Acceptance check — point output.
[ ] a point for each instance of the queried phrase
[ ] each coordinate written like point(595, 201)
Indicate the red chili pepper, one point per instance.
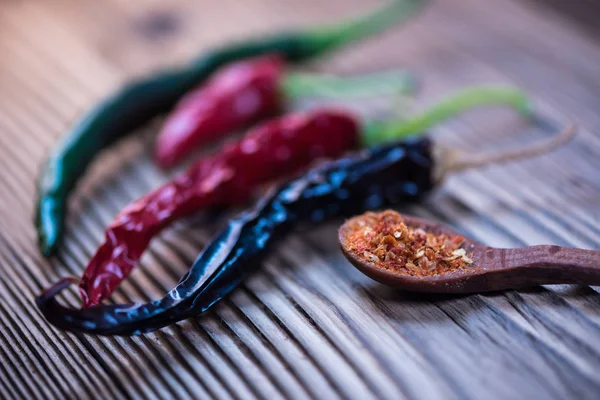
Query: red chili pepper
point(272, 150)
point(235, 96)
point(226, 177)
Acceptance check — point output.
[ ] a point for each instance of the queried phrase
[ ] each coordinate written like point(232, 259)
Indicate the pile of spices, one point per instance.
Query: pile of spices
point(385, 240)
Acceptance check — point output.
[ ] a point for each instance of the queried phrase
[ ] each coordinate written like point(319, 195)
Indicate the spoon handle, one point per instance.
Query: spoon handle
point(550, 264)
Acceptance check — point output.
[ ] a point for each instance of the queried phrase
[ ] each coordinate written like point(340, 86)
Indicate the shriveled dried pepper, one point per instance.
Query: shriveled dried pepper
point(248, 90)
point(231, 175)
point(374, 178)
point(137, 103)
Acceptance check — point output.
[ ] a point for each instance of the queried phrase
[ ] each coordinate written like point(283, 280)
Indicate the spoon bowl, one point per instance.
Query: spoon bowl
point(492, 268)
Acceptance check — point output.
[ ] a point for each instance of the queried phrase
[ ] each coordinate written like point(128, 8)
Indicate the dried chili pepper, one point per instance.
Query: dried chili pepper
point(231, 175)
point(240, 93)
point(137, 103)
point(248, 90)
point(373, 178)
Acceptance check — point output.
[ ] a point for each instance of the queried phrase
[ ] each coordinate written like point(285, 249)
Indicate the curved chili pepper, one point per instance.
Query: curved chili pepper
point(230, 176)
point(371, 179)
point(137, 103)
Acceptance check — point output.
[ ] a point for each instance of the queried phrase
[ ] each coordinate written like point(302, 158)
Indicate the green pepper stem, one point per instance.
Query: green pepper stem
point(378, 132)
point(325, 37)
point(296, 85)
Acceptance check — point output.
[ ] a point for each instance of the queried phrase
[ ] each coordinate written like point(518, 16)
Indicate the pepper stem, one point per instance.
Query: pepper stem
point(376, 133)
point(450, 161)
point(298, 85)
point(325, 37)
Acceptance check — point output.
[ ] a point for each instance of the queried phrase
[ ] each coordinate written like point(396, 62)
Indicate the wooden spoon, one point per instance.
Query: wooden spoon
point(492, 268)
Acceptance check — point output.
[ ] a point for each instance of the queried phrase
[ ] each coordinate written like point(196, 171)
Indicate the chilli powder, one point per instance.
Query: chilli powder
point(384, 239)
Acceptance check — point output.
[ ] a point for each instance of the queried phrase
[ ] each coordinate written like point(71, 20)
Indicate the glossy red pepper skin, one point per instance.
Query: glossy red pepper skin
point(234, 97)
point(230, 176)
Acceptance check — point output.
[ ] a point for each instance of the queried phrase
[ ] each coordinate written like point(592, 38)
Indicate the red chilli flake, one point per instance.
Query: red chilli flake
point(386, 241)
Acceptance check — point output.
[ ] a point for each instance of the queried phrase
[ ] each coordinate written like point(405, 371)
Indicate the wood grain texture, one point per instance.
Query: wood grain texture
point(307, 325)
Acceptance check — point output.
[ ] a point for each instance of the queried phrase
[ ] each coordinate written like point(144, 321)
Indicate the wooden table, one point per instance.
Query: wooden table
point(307, 325)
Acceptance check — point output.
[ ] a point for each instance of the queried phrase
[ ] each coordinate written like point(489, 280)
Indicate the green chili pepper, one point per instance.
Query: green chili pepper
point(380, 132)
point(135, 104)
